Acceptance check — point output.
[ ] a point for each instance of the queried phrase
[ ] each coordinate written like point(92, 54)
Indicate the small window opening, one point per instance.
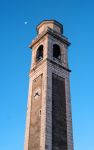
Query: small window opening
point(56, 52)
point(39, 54)
point(40, 112)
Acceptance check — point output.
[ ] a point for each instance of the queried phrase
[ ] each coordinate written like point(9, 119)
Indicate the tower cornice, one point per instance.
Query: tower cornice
point(52, 62)
point(49, 31)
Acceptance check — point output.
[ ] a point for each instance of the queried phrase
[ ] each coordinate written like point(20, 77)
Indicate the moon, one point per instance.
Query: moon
point(25, 22)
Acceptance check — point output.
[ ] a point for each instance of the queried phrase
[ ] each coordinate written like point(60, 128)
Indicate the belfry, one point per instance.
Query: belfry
point(49, 120)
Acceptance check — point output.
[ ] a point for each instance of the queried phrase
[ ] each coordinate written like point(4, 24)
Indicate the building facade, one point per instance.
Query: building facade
point(49, 120)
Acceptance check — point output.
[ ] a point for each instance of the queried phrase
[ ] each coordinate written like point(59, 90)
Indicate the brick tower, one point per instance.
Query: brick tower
point(49, 122)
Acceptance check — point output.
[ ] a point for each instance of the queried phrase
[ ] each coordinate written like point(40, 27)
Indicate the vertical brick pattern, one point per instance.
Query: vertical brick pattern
point(59, 123)
point(35, 117)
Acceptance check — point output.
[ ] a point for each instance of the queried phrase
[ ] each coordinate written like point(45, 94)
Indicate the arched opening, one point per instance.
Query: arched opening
point(39, 54)
point(56, 52)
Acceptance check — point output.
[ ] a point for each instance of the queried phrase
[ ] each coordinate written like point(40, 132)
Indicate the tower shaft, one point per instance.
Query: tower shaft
point(49, 120)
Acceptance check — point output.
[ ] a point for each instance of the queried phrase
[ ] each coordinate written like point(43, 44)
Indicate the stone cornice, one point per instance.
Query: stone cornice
point(53, 62)
point(49, 31)
point(43, 61)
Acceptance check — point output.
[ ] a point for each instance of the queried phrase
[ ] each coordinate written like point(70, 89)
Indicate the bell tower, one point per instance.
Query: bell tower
point(49, 120)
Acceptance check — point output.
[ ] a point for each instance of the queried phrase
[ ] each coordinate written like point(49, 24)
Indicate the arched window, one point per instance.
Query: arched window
point(39, 54)
point(56, 52)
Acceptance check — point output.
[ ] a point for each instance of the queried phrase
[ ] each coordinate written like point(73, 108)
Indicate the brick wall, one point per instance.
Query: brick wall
point(35, 117)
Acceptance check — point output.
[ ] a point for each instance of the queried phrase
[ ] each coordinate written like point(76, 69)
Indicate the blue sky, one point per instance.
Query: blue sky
point(15, 59)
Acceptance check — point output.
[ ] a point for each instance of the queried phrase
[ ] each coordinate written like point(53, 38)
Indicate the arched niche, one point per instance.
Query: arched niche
point(39, 54)
point(56, 52)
